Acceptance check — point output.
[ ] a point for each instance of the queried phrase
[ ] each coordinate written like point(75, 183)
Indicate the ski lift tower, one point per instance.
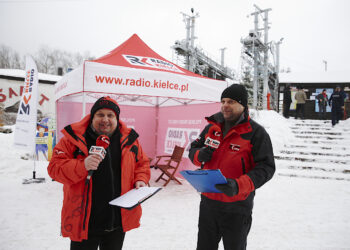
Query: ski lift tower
point(258, 49)
point(196, 60)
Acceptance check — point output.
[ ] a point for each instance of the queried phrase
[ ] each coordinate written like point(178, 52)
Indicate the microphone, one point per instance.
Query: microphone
point(102, 142)
point(213, 137)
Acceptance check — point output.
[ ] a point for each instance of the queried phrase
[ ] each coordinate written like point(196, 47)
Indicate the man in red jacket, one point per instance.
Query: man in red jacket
point(245, 158)
point(87, 218)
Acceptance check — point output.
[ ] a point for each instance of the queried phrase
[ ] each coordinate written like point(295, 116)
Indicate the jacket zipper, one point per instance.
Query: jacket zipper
point(86, 203)
point(87, 197)
point(243, 165)
point(113, 190)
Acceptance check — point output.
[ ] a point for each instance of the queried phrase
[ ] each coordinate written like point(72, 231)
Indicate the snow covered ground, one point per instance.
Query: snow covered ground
point(289, 213)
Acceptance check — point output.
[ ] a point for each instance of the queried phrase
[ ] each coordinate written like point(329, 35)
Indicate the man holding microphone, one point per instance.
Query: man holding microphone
point(245, 158)
point(91, 181)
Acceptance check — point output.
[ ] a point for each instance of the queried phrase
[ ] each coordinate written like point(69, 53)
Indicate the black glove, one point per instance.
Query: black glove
point(230, 188)
point(205, 154)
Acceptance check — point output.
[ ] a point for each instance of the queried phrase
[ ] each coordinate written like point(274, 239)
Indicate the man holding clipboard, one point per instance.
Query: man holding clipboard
point(241, 149)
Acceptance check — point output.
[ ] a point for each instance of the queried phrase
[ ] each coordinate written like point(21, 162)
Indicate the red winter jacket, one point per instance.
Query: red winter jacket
point(69, 170)
point(244, 154)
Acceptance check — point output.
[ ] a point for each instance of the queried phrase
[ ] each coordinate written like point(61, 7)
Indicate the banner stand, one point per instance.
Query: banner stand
point(26, 120)
point(34, 179)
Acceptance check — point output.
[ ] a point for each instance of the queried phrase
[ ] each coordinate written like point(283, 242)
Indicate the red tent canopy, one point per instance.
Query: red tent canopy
point(142, 59)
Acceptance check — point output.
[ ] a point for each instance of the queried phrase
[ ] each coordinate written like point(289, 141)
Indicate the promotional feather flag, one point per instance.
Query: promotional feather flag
point(25, 128)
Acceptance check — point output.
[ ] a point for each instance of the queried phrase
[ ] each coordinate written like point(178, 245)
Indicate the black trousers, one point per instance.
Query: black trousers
point(337, 114)
point(286, 108)
point(105, 241)
point(300, 109)
point(213, 225)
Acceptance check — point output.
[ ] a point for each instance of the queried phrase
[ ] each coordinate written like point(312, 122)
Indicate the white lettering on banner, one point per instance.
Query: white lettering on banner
point(189, 122)
point(128, 120)
point(181, 137)
point(151, 63)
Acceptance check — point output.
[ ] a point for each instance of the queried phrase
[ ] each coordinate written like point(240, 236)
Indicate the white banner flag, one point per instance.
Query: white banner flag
point(25, 128)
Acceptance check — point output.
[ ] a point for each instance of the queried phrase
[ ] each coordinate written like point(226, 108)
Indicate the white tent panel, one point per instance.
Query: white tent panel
point(131, 81)
point(70, 83)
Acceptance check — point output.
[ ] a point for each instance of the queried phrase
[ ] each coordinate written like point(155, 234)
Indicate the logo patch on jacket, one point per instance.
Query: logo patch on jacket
point(58, 152)
point(235, 147)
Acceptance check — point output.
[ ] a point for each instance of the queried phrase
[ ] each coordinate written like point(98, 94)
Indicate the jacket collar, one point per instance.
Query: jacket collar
point(75, 133)
point(241, 127)
point(218, 118)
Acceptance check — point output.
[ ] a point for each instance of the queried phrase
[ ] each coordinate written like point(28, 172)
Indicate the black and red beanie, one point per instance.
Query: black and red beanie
point(105, 102)
point(236, 92)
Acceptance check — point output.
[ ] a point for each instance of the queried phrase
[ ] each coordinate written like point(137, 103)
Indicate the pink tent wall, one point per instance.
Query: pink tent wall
point(142, 119)
point(180, 125)
point(177, 125)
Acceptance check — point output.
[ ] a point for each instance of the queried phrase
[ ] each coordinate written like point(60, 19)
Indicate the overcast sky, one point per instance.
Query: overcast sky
point(313, 31)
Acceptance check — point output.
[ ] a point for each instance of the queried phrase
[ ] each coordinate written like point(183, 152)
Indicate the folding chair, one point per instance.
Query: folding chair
point(170, 167)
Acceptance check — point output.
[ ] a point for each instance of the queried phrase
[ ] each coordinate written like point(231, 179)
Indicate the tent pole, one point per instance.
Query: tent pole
point(84, 108)
point(157, 126)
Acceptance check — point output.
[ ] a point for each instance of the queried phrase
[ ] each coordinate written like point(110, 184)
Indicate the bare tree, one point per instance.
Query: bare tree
point(48, 60)
point(9, 59)
point(44, 60)
point(78, 58)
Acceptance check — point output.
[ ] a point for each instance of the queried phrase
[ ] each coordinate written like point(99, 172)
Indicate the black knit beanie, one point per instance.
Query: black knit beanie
point(236, 92)
point(105, 103)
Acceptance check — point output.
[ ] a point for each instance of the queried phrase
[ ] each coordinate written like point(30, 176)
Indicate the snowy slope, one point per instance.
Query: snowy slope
point(289, 213)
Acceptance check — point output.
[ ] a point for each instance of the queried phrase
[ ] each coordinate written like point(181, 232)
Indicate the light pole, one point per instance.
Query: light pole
point(277, 69)
point(325, 65)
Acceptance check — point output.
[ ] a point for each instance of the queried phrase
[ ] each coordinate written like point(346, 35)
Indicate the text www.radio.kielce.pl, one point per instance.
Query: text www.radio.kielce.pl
point(141, 82)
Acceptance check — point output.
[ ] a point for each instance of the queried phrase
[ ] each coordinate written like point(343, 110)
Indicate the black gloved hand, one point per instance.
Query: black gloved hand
point(205, 154)
point(230, 188)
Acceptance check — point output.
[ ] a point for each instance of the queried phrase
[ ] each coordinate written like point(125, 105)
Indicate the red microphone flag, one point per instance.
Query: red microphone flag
point(213, 137)
point(103, 141)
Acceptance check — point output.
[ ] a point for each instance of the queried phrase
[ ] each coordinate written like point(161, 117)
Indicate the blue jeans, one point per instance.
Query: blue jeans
point(322, 111)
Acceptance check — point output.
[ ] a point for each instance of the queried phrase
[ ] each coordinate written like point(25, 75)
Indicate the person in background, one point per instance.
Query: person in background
point(245, 157)
point(300, 97)
point(336, 102)
point(287, 100)
point(322, 104)
point(87, 218)
point(345, 96)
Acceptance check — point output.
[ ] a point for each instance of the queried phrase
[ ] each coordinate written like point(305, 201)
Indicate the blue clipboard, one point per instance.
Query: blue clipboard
point(204, 180)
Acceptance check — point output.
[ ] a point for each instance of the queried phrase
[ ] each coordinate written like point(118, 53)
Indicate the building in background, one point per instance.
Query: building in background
point(313, 83)
point(11, 88)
